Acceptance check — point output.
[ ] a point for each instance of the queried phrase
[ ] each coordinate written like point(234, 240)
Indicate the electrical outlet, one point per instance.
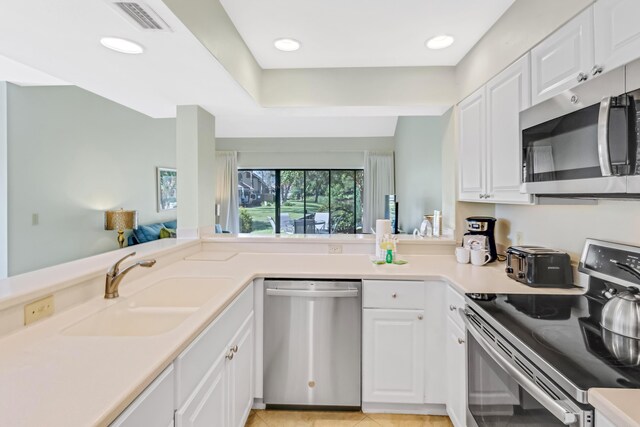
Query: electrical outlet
point(335, 249)
point(38, 309)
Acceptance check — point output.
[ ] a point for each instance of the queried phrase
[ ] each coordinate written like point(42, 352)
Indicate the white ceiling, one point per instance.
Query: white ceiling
point(45, 42)
point(361, 33)
point(300, 127)
point(20, 74)
point(61, 38)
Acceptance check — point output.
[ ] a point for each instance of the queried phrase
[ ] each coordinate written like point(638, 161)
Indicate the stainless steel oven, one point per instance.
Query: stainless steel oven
point(583, 141)
point(504, 388)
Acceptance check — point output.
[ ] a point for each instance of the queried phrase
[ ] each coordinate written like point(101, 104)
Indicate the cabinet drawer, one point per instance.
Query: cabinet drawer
point(194, 362)
point(393, 294)
point(154, 406)
point(455, 301)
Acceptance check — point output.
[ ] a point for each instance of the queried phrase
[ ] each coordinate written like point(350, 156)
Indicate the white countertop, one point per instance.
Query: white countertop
point(55, 380)
point(620, 405)
point(403, 239)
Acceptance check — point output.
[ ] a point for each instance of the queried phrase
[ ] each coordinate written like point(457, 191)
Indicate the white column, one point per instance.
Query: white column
point(4, 246)
point(195, 162)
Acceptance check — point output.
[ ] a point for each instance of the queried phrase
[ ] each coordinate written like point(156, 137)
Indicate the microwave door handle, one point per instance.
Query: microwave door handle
point(603, 136)
point(557, 408)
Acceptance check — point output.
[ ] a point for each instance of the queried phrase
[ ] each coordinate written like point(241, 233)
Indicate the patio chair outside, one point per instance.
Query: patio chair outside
point(322, 222)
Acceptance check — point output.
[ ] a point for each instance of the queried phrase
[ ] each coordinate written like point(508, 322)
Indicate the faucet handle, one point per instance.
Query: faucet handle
point(116, 267)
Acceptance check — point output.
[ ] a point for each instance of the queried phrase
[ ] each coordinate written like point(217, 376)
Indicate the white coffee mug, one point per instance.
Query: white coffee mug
point(480, 257)
point(462, 255)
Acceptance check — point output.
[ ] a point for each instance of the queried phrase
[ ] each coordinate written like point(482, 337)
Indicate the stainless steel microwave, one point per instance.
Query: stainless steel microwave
point(584, 142)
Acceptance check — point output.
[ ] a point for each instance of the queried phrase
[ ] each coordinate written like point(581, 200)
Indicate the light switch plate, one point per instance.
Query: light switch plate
point(38, 309)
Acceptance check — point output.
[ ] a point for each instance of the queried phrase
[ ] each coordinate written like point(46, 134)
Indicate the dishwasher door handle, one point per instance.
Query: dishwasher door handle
point(337, 293)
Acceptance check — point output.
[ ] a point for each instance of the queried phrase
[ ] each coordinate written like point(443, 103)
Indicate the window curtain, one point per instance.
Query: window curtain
point(227, 190)
point(378, 182)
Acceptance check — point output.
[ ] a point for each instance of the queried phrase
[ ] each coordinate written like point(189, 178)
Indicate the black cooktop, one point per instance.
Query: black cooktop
point(564, 331)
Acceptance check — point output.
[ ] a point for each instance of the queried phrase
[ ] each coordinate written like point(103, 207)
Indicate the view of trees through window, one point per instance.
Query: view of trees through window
point(300, 201)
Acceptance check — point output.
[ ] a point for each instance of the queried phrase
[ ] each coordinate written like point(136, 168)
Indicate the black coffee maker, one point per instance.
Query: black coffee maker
point(482, 227)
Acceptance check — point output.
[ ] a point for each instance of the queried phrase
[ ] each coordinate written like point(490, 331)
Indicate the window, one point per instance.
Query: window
point(297, 201)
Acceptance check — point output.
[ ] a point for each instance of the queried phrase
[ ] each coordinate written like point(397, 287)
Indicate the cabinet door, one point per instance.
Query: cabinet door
point(457, 372)
point(393, 356)
point(557, 62)
point(617, 33)
point(435, 378)
point(472, 147)
point(154, 406)
point(240, 374)
point(507, 95)
point(602, 421)
point(208, 405)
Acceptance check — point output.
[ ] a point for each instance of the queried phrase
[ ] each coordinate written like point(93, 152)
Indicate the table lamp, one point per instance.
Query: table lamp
point(121, 220)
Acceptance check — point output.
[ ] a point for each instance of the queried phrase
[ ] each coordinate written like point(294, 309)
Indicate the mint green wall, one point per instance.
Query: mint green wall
point(419, 166)
point(72, 155)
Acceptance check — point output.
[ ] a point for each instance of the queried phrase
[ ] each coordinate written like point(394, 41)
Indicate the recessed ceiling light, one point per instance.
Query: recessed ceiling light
point(439, 42)
point(121, 45)
point(287, 45)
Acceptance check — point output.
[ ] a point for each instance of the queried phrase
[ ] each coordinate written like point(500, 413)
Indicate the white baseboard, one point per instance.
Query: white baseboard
point(259, 404)
point(403, 408)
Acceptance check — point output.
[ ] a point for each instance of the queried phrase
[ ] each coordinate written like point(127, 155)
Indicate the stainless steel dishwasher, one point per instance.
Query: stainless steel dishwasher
point(312, 336)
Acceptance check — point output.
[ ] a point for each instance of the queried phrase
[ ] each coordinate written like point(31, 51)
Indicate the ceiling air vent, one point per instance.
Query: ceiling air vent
point(141, 15)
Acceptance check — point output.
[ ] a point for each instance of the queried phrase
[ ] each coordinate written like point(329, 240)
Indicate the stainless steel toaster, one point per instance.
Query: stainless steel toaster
point(537, 266)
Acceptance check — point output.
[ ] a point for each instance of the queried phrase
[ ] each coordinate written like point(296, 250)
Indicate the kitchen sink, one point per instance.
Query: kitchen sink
point(179, 292)
point(119, 320)
point(153, 311)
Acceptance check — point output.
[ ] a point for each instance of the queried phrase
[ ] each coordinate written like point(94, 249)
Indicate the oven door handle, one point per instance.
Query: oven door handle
point(556, 407)
point(604, 157)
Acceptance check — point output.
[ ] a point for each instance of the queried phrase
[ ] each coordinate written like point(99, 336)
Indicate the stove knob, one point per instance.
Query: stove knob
point(509, 270)
point(521, 275)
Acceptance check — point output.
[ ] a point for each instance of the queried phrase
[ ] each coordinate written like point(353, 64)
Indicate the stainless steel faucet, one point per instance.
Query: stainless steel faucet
point(115, 276)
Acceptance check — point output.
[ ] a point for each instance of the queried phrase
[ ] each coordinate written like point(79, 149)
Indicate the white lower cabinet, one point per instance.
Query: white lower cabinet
point(225, 395)
point(457, 373)
point(393, 356)
point(402, 342)
point(208, 405)
point(240, 376)
point(154, 406)
point(602, 421)
point(211, 383)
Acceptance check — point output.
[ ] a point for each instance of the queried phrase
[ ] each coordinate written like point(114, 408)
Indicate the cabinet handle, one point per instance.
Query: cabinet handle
point(452, 307)
point(460, 341)
point(419, 316)
point(597, 69)
point(234, 348)
point(481, 196)
point(394, 295)
point(230, 355)
point(582, 77)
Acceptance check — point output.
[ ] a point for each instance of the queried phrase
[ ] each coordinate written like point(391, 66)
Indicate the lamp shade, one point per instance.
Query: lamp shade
point(120, 220)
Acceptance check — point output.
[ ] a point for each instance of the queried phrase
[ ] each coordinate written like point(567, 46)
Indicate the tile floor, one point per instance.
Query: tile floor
point(269, 418)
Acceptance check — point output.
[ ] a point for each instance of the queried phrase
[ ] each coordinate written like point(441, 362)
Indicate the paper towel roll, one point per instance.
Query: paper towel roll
point(383, 226)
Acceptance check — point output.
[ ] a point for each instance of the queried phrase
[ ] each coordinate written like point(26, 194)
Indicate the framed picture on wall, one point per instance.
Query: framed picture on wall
point(167, 189)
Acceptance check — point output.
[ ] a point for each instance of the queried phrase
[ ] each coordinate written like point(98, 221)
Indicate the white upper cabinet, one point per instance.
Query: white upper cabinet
point(472, 144)
point(489, 120)
point(564, 59)
point(617, 33)
point(507, 95)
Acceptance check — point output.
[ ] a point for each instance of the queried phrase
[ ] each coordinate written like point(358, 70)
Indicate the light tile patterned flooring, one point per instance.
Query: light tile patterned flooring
point(269, 418)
